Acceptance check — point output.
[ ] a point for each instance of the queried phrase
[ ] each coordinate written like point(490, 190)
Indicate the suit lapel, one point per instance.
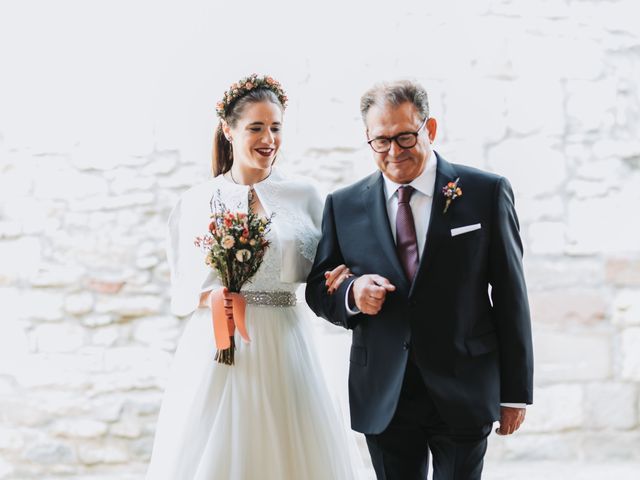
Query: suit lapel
point(439, 222)
point(376, 206)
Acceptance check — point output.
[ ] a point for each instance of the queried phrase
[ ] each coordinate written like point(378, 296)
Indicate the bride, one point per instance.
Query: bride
point(268, 416)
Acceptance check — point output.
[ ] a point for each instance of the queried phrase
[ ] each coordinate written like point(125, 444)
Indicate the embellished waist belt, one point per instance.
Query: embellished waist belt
point(272, 299)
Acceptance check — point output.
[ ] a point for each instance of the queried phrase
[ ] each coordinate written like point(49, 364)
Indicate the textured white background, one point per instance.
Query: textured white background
point(106, 115)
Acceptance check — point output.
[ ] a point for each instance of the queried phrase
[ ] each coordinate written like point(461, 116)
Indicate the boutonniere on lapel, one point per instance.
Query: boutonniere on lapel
point(451, 191)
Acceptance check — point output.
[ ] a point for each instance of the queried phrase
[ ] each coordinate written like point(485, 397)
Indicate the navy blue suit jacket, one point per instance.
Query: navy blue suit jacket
point(473, 348)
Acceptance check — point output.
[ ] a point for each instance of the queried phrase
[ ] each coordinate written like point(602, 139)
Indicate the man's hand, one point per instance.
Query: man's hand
point(369, 293)
point(510, 420)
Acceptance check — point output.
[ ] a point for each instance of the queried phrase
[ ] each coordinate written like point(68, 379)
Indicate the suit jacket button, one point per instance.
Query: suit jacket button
point(405, 346)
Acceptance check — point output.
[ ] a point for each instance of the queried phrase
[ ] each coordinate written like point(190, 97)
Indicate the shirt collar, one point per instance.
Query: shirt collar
point(424, 183)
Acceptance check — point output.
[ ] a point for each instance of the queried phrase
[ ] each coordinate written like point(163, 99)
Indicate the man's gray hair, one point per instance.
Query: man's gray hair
point(395, 93)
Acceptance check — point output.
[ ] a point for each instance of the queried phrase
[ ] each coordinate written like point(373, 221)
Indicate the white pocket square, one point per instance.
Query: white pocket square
point(465, 229)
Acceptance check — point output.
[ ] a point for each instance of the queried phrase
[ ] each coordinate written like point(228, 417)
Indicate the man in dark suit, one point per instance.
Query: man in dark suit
point(438, 304)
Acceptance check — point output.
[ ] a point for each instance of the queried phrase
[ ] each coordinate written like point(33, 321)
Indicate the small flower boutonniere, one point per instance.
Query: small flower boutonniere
point(451, 191)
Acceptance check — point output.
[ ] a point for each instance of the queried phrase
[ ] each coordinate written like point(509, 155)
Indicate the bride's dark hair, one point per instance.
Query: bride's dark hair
point(222, 157)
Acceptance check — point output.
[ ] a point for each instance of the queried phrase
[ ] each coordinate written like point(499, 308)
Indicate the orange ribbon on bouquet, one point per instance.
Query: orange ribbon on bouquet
point(227, 314)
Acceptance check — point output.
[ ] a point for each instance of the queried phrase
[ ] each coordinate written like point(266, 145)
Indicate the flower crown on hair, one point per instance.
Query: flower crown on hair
point(244, 86)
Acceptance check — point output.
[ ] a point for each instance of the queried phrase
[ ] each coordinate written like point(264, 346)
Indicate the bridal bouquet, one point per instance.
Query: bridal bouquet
point(234, 247)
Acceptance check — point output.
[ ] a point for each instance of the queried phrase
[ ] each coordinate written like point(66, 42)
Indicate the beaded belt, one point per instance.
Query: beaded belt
point(271, 299)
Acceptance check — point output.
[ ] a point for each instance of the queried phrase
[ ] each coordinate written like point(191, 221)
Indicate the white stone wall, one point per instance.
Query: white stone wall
point(106, 115)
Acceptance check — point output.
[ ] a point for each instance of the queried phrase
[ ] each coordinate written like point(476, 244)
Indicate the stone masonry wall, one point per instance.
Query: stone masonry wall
point(106, 115)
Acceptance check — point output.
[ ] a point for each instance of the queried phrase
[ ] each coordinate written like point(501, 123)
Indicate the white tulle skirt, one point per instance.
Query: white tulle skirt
point(269, 416)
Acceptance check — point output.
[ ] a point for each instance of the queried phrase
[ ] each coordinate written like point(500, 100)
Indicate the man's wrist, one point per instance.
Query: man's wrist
point(350, 302)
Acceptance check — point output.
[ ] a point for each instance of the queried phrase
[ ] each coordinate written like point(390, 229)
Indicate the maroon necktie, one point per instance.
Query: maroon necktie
point(406, 241)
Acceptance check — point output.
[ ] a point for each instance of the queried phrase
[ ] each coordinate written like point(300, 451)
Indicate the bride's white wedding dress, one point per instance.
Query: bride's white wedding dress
point(270, 415)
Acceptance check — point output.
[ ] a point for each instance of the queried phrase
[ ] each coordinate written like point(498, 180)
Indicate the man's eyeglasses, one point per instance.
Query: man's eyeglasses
point(403, 140)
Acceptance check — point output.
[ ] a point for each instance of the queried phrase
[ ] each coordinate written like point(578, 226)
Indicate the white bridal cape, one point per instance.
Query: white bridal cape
point(270, 415)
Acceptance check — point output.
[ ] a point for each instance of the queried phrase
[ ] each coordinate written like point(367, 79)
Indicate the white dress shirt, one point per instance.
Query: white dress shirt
point(421, 200)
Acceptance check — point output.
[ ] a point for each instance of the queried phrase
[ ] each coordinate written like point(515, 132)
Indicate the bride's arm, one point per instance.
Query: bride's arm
point(189, 274)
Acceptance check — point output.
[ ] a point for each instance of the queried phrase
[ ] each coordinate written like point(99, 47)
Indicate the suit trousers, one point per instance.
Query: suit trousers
point(401, 451)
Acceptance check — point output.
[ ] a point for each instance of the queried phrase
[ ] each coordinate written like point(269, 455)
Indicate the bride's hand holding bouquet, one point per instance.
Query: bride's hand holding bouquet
point(234, 247)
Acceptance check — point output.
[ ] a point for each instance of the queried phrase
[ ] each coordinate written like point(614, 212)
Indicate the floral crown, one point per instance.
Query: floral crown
point(244, 86)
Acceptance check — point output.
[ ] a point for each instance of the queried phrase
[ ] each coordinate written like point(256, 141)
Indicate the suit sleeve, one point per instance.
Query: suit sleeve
point(328, 256)
point(510, 306)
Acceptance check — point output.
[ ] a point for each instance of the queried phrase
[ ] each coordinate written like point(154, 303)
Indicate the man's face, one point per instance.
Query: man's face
point(400, 165)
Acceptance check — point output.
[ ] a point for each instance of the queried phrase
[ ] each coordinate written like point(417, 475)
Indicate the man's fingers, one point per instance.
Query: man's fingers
point(373, 302)
point(503, 430)
point(519, 421)
point(375, 292)
point(383, 282)
point(371, 306)
point(510, 420)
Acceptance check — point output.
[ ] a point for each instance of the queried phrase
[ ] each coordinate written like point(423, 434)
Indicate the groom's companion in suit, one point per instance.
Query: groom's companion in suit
point(438, 303)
